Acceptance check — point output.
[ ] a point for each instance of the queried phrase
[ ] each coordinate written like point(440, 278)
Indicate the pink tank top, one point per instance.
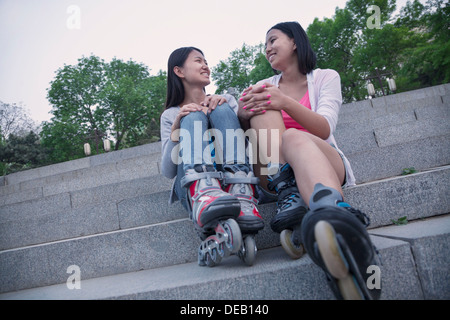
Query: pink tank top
point(291, 123)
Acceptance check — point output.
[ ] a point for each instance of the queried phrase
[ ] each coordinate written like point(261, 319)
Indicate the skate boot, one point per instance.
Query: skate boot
point(241, 185)
point(290, 210)
point(213, 212)
point(336, 239)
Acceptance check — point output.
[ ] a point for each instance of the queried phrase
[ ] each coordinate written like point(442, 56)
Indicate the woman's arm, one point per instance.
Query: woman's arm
point(315, 123)
point(168, 167)
point(320, 123)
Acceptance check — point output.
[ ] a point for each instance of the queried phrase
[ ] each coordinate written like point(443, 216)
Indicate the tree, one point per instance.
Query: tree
point(14, 119)
point(244, 67)
point(125, 98)
point(412, 47)
point(94, 99)
point(21, 152)
point(261, 70)
point(63, 139)
point(360, 40)
point(428, 60)
point(133, 98)
point(75, 95)
point(334, 41)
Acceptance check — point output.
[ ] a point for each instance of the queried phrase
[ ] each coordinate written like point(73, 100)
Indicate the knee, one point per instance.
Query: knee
point(222, 110)
point(293, 138)
point(193, 117)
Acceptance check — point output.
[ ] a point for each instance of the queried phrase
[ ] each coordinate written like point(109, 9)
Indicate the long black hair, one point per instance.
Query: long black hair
point(175, 88)
point(305, 54)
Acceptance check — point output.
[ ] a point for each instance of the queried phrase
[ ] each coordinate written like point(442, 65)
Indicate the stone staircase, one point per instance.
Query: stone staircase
point(108, 215)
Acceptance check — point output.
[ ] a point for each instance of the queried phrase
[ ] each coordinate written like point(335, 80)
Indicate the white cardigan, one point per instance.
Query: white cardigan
point(324, 87)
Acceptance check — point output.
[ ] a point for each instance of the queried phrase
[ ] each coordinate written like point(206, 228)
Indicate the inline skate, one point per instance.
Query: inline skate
point(241, 185)
point(213, 212)
point(290, 210)
point(336, 239)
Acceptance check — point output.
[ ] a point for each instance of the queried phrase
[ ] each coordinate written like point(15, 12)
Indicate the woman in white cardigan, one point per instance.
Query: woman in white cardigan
point(299, 109)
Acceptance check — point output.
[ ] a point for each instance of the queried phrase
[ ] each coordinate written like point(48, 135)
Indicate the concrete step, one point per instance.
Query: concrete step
point(141, 202)
point(145, 247)
point(83, 163)
point(405, 101)
point(389, 161)
point(429, 240)
point(86, 212)
point(352, 140)
point(358, 124)
point(373, 153)
point(103, 174)
point(408, 256)
point(379, 108)
point(409, 97)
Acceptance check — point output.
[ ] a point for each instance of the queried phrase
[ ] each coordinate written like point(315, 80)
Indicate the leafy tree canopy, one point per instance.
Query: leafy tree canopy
point(93, 100)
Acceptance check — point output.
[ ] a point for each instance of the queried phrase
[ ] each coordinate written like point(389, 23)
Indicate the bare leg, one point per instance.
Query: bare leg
point(267, 127)
point(313, 160)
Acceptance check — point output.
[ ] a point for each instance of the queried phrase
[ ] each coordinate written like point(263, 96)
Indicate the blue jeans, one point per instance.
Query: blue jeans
point(196, 131)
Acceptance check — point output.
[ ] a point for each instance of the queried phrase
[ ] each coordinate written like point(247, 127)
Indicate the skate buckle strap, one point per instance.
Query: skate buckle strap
point(189, 178)
point(236, 180)
point(282, 180)
point(202, 192)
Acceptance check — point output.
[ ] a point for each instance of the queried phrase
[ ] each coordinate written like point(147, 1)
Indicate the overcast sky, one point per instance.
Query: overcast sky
point(37, 37)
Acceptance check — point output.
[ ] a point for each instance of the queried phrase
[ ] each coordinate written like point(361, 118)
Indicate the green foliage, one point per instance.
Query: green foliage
point(407, 171)
point(63, 139)
point(145, 126)
point(400, 221)
point(93, 100)
point(413, 46)
point(427, 60)
point(244, 67)
point(21, 152)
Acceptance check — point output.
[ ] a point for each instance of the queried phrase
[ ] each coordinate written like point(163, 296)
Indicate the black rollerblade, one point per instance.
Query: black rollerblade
point(213, 212)
point(241, 185)
point(290, 210)
point(335, 237)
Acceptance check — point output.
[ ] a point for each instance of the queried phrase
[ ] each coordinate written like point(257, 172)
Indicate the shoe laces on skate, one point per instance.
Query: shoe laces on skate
point(287, 198)
point(364, 218)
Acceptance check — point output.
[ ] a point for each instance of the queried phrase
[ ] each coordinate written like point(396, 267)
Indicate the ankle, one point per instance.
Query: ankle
point(325, 196)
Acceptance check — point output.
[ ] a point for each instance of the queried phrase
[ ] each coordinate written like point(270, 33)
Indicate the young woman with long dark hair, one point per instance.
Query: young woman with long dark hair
point(216, 192)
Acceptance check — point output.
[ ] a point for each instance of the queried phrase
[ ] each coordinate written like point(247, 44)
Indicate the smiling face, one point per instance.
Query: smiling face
point(195, 70)
point(280, 49)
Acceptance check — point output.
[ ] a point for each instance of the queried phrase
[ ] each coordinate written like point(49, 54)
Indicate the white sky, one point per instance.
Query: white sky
point(36, 40)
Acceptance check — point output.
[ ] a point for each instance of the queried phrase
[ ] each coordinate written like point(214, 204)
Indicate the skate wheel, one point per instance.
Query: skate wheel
point(213, 258)
point(329, 250)
point(349, 289)
point(295, 252)
point(248, 251)
point(234, 240)
point(334, 261)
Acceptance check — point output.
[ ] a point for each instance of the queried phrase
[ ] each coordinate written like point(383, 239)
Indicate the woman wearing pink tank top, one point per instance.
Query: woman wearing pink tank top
point(291, 123)
point(294, 115)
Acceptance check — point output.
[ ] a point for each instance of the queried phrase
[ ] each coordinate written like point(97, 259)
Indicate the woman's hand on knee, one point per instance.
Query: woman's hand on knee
point(184, 111)
point(257, 100)
point(246, 112)
point(212, 101)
